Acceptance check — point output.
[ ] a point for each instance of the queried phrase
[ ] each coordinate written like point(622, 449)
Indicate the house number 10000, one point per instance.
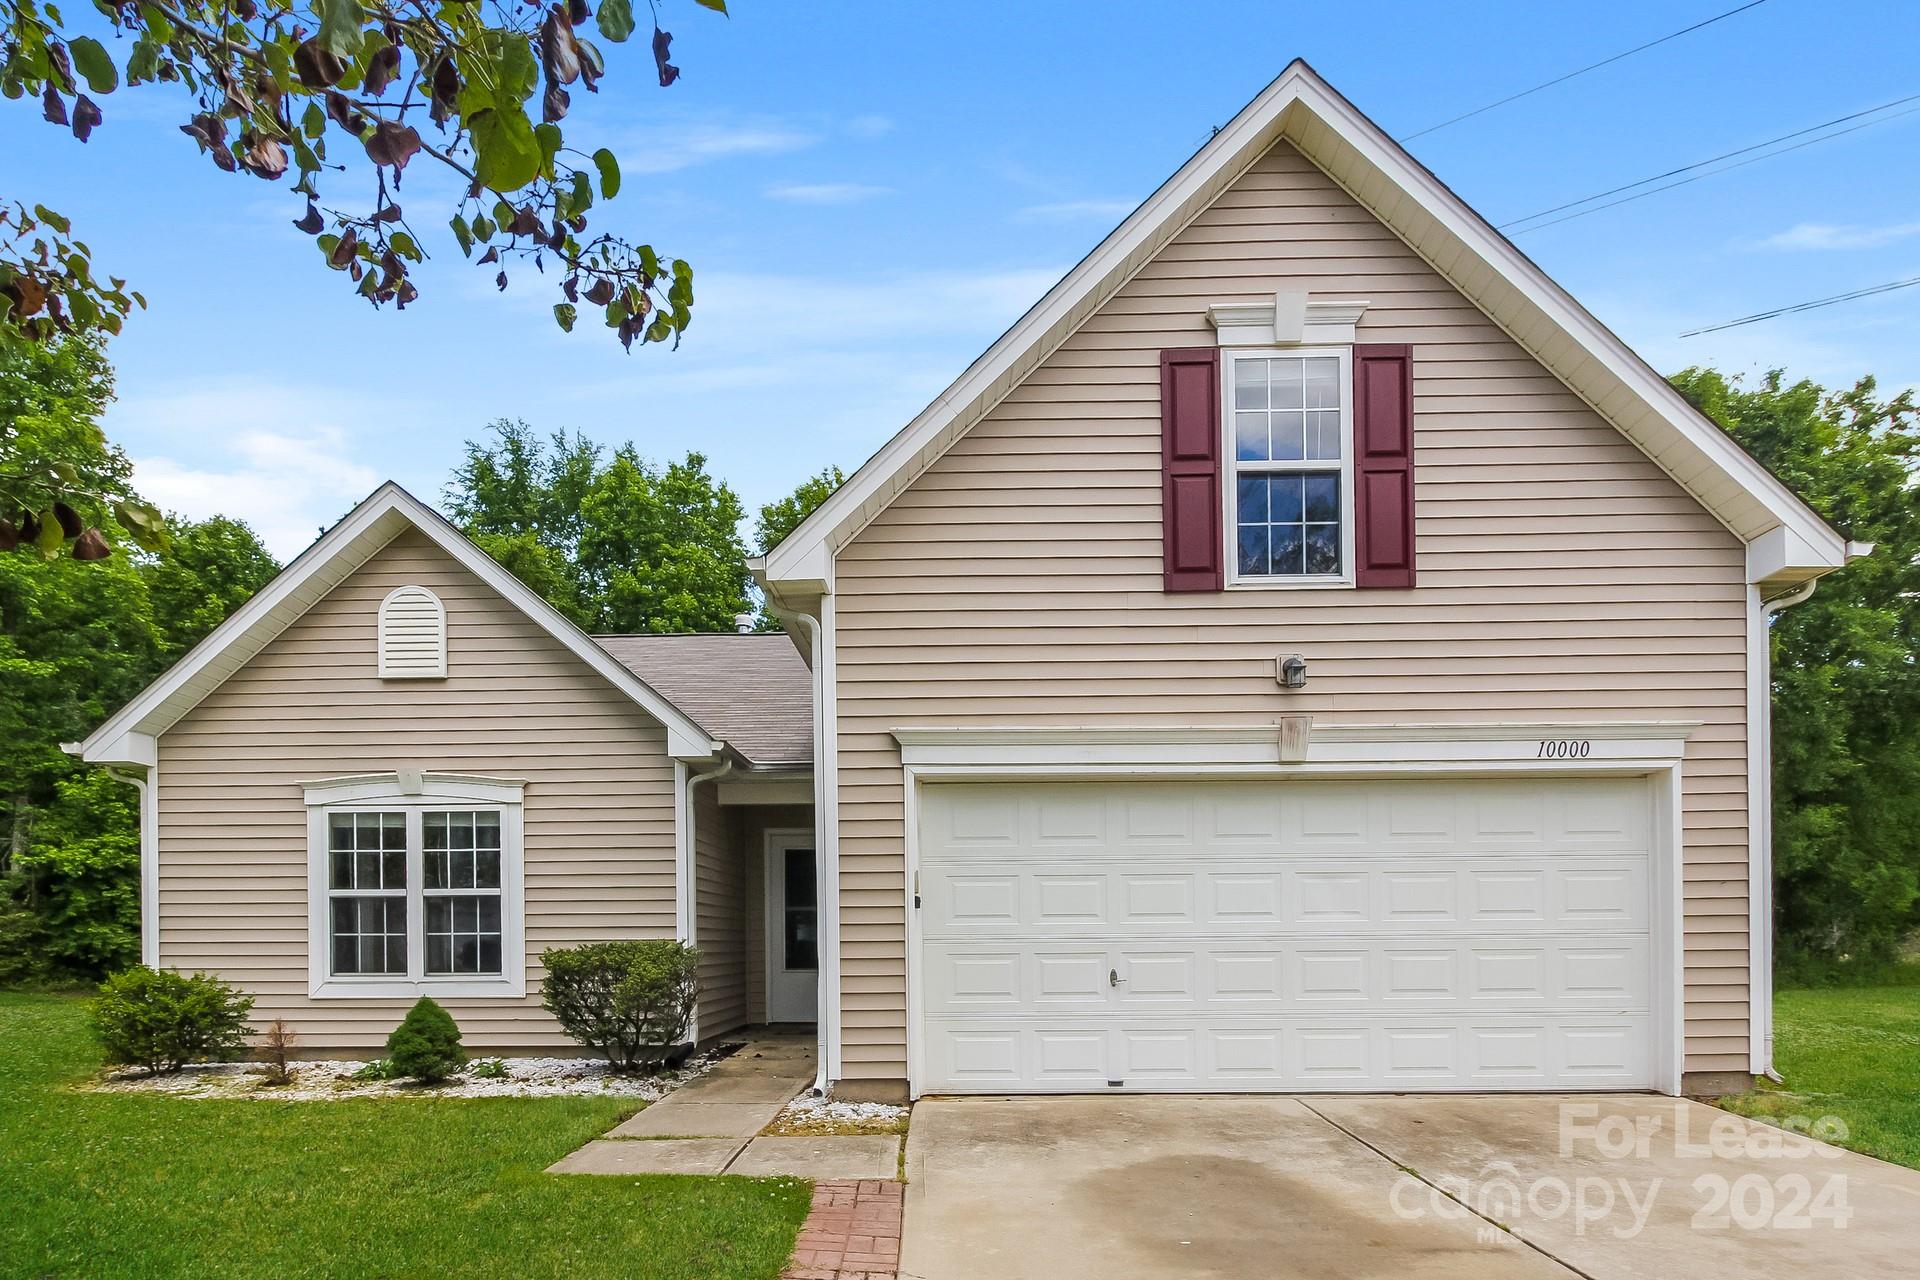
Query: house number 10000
point(1563, 749)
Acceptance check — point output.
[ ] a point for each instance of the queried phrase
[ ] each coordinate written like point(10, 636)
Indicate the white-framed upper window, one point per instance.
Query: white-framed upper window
point(415, 882)
point(1289, 490)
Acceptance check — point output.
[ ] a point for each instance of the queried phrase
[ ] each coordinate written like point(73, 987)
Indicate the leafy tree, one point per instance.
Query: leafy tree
point(613, 541)
point(62, 486)
point(300, 87)
point(782, 517)
point(1846, 691)
point(211, 568)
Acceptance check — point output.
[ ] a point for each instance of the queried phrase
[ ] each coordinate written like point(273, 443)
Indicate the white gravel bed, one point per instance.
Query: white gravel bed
point(807, 1114)
point(328, 1081)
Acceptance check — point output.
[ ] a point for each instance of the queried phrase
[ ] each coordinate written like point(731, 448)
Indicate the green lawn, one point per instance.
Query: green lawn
point(122, 1185)
point(1852, 1053)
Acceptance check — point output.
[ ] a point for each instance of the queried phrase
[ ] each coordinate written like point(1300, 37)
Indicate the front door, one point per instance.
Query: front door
point(793, 946)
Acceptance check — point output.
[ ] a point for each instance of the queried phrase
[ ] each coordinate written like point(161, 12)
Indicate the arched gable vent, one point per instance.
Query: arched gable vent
point(413, 635)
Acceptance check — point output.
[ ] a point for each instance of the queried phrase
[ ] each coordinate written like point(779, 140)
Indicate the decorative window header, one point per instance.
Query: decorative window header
point(1291, 318)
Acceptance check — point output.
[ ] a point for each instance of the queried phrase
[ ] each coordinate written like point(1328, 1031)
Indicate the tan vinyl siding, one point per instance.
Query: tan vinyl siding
point(1562, 576)
point(599, 840)
point(720, 909)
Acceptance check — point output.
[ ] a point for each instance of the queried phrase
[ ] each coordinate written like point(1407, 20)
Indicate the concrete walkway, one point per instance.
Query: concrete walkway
point(712, 1125)
point(1607, 1187)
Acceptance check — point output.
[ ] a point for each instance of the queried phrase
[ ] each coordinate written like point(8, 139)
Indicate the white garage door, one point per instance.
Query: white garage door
point(1299, 935)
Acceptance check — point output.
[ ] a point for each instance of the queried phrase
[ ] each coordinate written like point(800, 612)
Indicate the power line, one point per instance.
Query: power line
point(1541, 226)
point(1468, 115)
point(1725, 155)
point(1805, 306)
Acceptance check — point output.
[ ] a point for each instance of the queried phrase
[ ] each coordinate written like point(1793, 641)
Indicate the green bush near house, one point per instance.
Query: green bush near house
point(426, 1044)
point(630, 1002)
point(161, 1020)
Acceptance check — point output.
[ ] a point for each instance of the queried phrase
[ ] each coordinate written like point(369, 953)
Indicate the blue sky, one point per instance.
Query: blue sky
point(871, 192)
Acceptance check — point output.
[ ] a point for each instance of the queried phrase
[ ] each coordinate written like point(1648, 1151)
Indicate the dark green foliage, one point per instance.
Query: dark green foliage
point(161, 1020)
point(614, 542)
point(630, 1002)
point(778, 519)
point(1846, 691)
point(426, 1044)
point(77, 640)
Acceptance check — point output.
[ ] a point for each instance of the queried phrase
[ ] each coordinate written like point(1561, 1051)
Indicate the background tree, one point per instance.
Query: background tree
point(1846, 691)
point(77, 640)
point(319, 88)
point(613, 541)
point(782, 516)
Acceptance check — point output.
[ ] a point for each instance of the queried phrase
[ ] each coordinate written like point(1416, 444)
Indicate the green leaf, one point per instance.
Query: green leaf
point(609, 168)
point(402, 243)
point(51, 539)
point(90, 60)
point(483, 228)
point(718, 6)
point(52, 219)
point(314, 122)
point(341, 23)
point(564, 313)
point(506, 155)
point(463, 234)
point(615, 19)
point(549, 138)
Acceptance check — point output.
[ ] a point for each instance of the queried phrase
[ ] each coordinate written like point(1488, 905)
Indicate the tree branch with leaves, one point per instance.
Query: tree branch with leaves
point(479, 88)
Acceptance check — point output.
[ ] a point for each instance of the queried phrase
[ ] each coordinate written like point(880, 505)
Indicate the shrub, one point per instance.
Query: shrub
point(630, 1002)
point(489, 1069)
point(161, 1020)
point(426, 1044)
point(378, 1069)
point(277, 1044)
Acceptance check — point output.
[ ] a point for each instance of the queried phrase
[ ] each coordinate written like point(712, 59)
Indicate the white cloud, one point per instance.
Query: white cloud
point(824, 193)
point(1077, 211)
point(667, 148)
point(1821, 235)
point(273, 455)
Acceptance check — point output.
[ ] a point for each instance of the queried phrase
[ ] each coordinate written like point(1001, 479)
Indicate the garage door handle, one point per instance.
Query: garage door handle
point(1113, 977)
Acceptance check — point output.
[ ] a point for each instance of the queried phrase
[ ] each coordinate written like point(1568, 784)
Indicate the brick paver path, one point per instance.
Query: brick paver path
point(852, 1233)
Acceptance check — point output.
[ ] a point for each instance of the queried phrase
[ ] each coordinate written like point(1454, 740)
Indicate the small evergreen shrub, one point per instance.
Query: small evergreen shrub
point(161, 1020)
point(630, 1002)
point(426, 1044)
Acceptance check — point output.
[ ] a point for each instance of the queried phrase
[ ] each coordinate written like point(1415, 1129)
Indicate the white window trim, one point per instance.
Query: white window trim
point(413, 793)
point(1230, 488)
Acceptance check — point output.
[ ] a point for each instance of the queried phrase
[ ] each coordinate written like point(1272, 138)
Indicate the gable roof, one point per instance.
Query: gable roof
point(1787, 541)
point(752, 690)
point(128, 736)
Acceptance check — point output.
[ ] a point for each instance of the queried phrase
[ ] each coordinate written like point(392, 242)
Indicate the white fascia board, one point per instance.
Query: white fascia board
point(323, 566)
point(1611, 378)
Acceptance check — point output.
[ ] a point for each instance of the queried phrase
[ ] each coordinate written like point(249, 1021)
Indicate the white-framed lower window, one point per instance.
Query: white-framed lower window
point(1289, 493)
point(416, 886)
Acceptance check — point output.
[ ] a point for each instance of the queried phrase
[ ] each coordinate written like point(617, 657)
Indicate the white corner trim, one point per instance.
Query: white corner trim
point(409, 786)
point(1288, 319)
point(1233, 750)
point(322, 566)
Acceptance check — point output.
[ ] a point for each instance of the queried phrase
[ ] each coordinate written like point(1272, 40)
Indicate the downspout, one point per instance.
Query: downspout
point(1760, 920)
point(149, 864)
point(826, 861)
point(689, 876)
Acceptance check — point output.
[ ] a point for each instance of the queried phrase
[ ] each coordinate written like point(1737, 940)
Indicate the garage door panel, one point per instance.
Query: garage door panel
point(1336, 1054)
point(1313, 935)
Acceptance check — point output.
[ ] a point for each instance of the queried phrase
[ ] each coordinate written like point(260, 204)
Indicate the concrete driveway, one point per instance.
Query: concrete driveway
point(1604, 1187)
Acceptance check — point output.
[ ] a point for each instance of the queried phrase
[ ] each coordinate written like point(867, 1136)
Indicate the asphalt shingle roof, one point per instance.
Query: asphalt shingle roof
point(751, 690)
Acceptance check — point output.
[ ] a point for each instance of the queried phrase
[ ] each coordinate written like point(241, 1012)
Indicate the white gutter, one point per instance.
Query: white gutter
point(684, 901)
point(1760, 821)
point(826, 844)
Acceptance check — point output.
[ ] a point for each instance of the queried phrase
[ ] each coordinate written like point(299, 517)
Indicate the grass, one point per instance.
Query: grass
point(1852, 1053)
point(109, 1185)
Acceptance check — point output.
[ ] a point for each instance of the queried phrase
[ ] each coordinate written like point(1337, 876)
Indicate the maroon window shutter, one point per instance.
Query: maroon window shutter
point(1190, 433)
point(1383, 465)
